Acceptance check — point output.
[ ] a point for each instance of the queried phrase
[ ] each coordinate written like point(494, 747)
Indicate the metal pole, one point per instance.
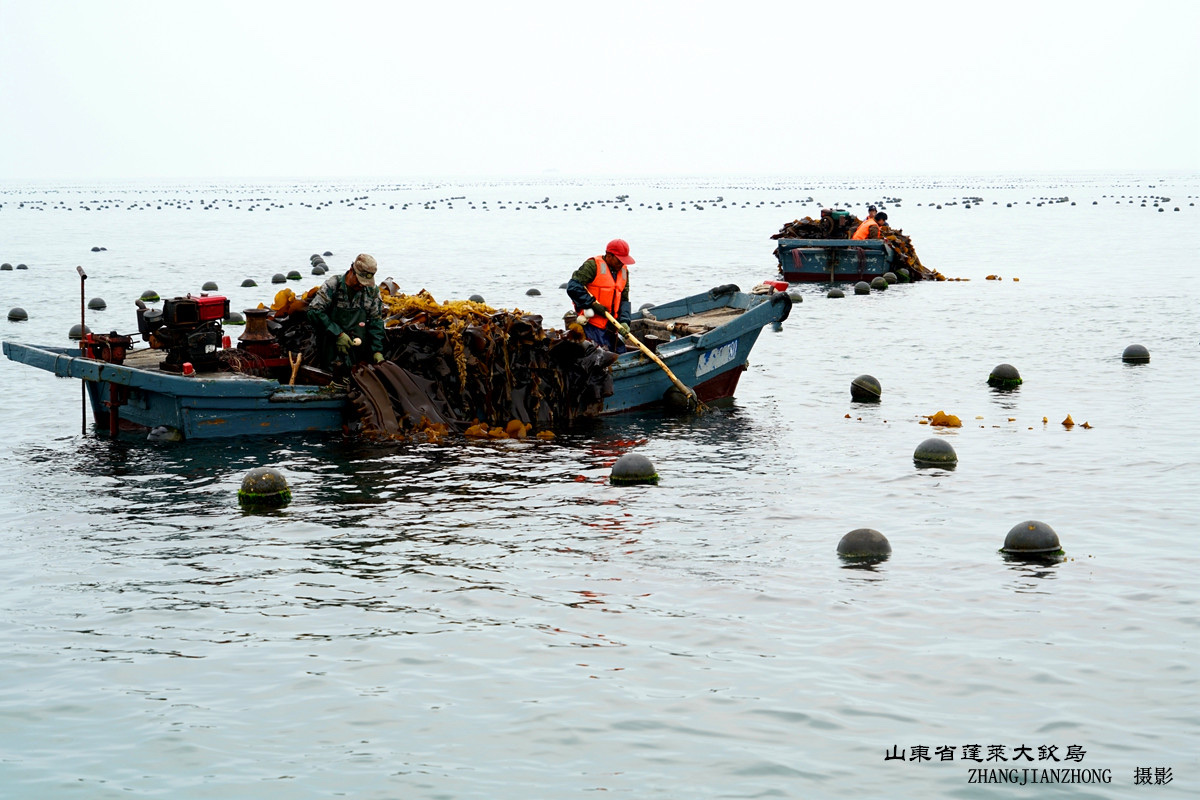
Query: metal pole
point(82, 351)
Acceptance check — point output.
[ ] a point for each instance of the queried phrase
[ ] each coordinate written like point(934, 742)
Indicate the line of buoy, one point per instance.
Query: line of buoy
point(1029, 540)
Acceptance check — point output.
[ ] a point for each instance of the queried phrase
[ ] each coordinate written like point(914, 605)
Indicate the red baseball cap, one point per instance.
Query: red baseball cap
point(620, 249)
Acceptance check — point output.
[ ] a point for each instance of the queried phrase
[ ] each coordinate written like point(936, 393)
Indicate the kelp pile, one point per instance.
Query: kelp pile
point(809, 228)
point(464, 367)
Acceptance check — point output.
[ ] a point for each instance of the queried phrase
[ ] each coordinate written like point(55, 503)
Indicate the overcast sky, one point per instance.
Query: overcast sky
point(259, 88)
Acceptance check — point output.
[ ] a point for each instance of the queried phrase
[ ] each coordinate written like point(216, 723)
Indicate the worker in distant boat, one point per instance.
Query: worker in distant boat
point(864, 229)
point(881, 221)
point(347, 315)
point(601, 284)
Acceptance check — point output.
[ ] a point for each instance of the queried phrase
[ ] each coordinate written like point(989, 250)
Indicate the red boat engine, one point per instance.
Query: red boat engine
point(188, 328)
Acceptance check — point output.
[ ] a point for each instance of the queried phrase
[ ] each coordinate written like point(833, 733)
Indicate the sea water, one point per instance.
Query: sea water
point(496, 620)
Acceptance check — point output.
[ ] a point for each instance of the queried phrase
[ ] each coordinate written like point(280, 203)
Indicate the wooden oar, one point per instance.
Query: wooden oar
point(692, 400)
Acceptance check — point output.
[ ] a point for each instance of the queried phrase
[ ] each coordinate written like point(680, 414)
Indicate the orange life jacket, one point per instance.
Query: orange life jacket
point(607, 290)
point(864, 229)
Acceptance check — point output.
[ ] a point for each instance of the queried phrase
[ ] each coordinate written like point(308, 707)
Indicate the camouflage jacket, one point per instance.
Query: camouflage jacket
point(337, 308)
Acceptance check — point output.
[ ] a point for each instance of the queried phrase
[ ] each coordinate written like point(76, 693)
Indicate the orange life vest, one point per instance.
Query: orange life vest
point(607, 290)
point(864, 229)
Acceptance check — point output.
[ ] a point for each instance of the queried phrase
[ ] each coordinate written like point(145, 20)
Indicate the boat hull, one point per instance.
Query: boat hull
point(198, 406)
point(709, 363)
point(833, 260)
point(204, 406)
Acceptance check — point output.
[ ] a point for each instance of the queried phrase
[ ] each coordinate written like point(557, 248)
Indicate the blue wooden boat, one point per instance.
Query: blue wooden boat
point(835, 260)
point(713, 335)
point(718, 329)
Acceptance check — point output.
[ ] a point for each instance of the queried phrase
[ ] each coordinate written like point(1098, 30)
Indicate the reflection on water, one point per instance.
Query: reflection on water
point(495, 619)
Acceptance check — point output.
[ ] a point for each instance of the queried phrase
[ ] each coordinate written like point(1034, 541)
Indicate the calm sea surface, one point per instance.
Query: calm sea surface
point(497, 621)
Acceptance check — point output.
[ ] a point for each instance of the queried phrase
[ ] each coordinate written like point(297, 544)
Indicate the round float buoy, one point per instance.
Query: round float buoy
point(149, 296)
point(17, 315)
point(862, 287)
point(209, 286)
point(1004, 376)
point(1032, 538)
point(879, 282)
point(904, 275)
point(863, 544)
point(327, 253)
point(263, 487)
point(78, 331)
point(935, 452)
point(97, 304)
point(294, 275)
point(318, 269)
point(6, 267)
point(795, 296)
point(890, 277)
point(633, 468)
point(835, 293)
point(315, 259)
point(676, 400)
point(279, 277)
point(1136, 354)
point(476, 298)
point(22, 266)
point(865, 389)
point(249, 282)
point(532, 292)
point(235, 318)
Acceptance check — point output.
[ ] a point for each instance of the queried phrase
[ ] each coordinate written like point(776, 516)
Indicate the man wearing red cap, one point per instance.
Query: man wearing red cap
point(601, 285)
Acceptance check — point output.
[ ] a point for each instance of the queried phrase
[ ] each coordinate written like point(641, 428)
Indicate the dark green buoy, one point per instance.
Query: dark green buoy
point(862, 287)
point(318, 269)
point(935, 452)
point(78, 331)
point(249, 282)
point(149, 296)
point(904, 275)
point(263, 487)
point(865, 389)
point(1032, 538)
point(6, 267)
point(476, 298)
point(294, 275)
point(835, 293)
point(209, 286)
point(879, 282)
point(1136, 354)
point(235, 318)
point(890, 277)
point(864, 544)
point(97, 304)
point(1004, 376)
point(633, 468)
point(279, 277)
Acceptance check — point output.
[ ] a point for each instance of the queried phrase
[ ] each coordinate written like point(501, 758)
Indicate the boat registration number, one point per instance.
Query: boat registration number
point(717, 358)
